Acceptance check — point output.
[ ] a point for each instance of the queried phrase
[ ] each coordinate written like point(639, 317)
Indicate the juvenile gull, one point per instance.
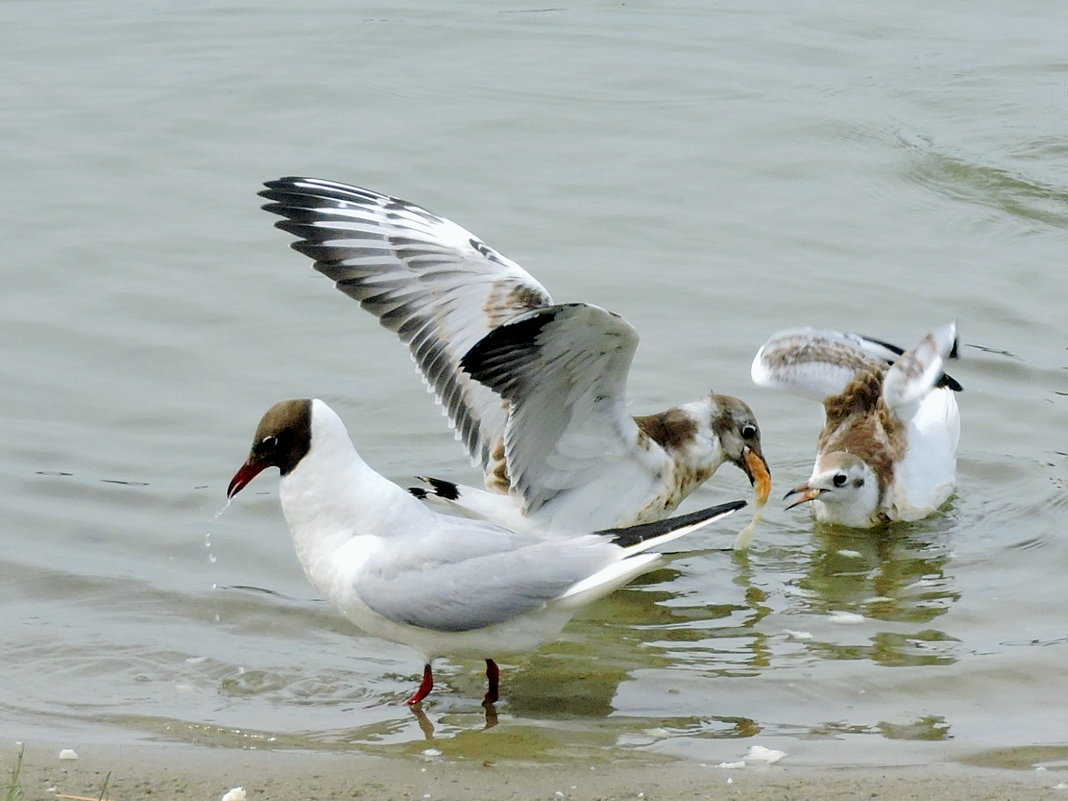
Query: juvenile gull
point(438, 583)
point(888, 447)
point(535, 391)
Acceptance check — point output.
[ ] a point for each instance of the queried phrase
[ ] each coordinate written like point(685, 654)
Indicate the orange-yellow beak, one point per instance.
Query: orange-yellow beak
point(756, 468)
point(806, 494)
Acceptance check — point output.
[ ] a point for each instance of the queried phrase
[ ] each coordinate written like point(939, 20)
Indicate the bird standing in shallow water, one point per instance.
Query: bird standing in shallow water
point(440, 584)
point(536, 391)
point(888, 447)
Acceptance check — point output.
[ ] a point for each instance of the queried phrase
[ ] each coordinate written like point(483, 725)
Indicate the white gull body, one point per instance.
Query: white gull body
point(535, 391)
point(888, 448)
point(438, 583)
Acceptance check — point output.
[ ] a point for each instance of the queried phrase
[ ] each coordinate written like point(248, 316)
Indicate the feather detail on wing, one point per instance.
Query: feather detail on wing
point(917, 371)
point(890, 353)
point(433, 283)
point(564, 370)
point(810, 362)
point(820, 363)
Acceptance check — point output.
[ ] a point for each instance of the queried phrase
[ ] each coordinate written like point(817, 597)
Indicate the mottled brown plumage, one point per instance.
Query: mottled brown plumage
point(504, 302)
point(878, 438)
point(670, 429)
point(887, 450)
point(497, 479)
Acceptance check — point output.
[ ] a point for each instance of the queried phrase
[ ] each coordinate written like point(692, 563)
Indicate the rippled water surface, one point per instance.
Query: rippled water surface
point(710, 173)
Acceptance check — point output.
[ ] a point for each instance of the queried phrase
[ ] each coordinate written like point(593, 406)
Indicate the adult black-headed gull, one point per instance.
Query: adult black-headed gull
point(888, 449)
point(540, 403)
point(438, 583)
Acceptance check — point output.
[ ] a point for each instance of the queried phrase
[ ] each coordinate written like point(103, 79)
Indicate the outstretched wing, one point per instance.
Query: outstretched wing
point(811, 362)
point(914, 374)
point(819, 363)
point(890, 353)
point(564, 370)
point(433, 283)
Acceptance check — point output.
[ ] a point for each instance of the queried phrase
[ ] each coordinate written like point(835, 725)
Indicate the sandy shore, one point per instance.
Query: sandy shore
point(181, 772)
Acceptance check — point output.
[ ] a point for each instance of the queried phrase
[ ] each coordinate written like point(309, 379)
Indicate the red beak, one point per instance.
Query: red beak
point(245, 474)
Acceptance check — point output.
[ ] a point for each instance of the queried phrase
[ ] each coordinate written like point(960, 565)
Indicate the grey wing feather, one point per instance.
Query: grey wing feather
point(477, 576)
point(433, 283)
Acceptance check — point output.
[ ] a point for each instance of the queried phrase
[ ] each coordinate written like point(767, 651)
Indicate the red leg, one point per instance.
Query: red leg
point(493, 680)
point(425, 686)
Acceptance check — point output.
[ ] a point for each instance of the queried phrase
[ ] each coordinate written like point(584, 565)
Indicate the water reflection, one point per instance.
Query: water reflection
point(427, 727)
point(929, 727)
point(894, 575)
point(893, 586)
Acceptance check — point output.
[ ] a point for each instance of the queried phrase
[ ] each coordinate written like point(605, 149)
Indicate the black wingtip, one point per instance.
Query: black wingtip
point(949, 382)
point(632, 535)
point(285, 184)
point(441, 488)
point(890, 346)
point(946, 380)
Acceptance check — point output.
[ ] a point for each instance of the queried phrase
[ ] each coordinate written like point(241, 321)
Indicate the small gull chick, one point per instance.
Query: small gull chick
point(438, 583)
point(888, 447)
point(535, 391)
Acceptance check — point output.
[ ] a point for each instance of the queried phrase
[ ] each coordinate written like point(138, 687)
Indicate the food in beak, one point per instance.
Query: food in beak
point(758, 472)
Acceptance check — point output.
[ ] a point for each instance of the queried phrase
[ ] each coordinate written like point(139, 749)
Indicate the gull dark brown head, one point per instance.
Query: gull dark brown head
point(282, 439)
point(738, 432)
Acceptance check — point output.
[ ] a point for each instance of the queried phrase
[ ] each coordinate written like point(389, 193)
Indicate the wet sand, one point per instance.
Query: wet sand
point(184, 772)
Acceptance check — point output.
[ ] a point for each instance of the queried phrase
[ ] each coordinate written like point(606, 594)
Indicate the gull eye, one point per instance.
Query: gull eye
point(840, 479)
point(269, 442)
point(749, 431)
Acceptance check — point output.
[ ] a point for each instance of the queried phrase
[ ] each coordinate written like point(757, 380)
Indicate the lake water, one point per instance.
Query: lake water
point(713, 172)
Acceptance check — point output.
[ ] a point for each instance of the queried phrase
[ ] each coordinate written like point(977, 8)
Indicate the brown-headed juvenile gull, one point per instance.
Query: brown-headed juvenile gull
point(535, 391)
point(441, 584)
point(888, 449)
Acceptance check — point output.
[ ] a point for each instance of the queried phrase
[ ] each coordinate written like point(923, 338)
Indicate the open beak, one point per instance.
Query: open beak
point(806, 494)
point(247, 472)
point(758, 472)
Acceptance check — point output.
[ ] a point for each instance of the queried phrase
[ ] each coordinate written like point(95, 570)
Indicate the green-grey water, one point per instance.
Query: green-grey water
point(712, 173)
